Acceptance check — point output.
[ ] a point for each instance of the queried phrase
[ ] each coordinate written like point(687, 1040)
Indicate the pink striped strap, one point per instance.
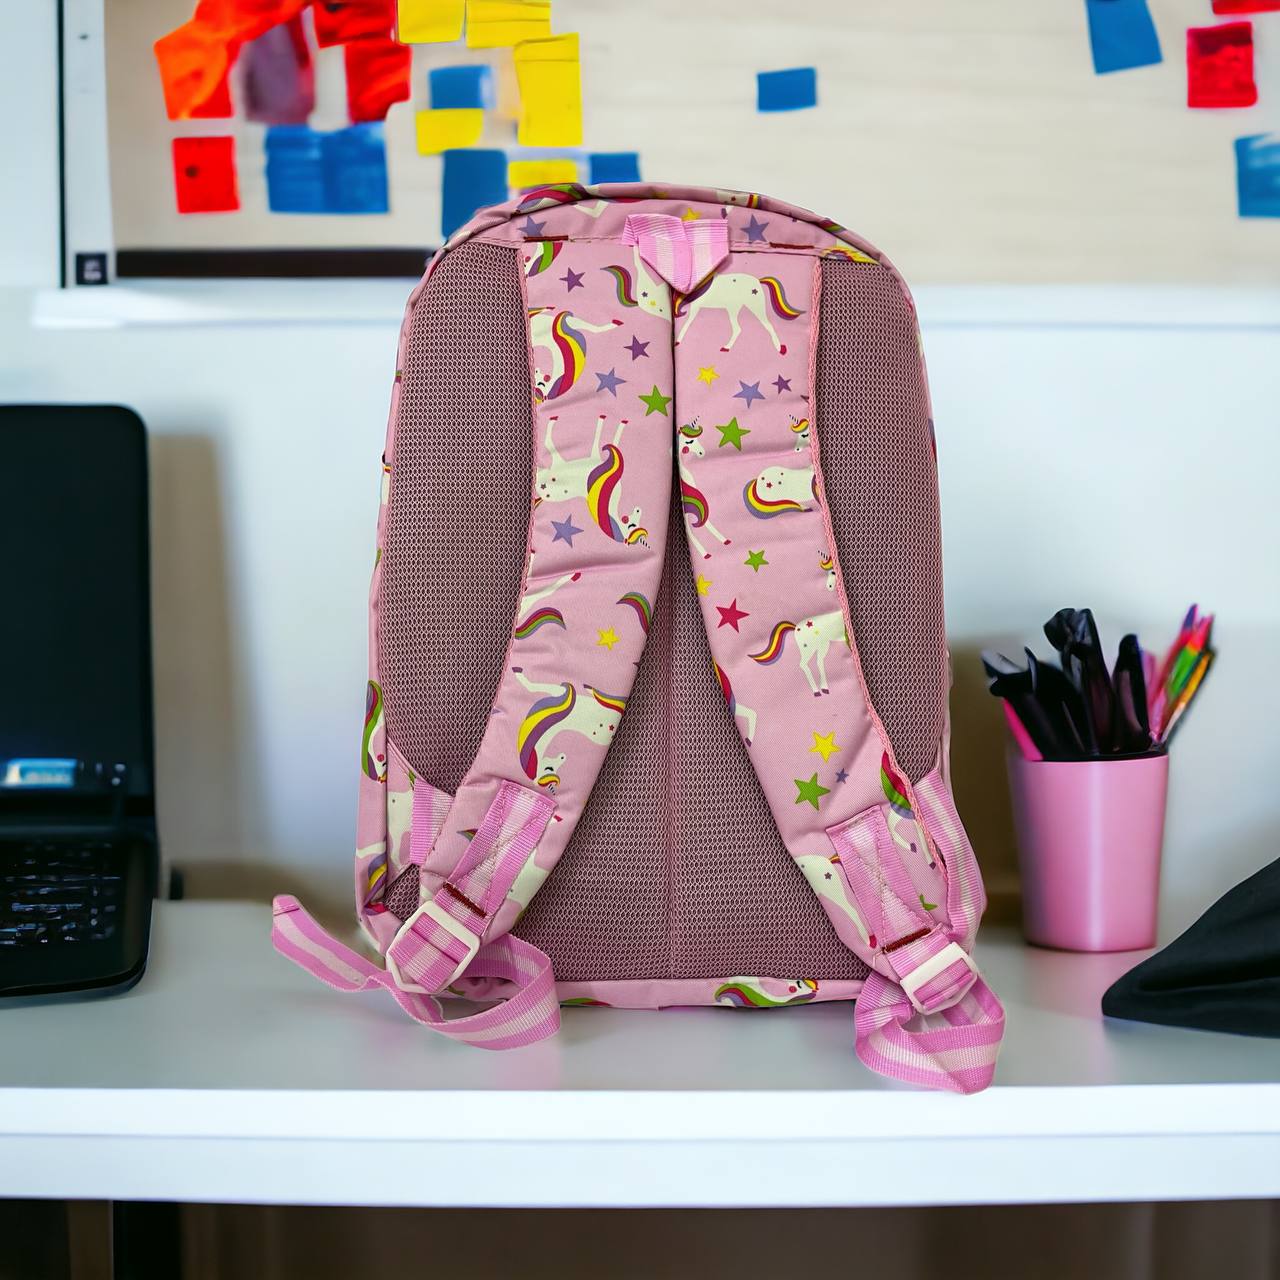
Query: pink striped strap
point(439, 942)
point(924, 1015)
point(530, 1014)
point(682, 253)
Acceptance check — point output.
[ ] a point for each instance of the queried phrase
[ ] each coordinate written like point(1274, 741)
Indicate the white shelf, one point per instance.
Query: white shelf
point(230, 1075)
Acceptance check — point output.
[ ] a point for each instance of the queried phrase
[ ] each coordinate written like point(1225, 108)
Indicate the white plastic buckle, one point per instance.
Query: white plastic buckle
point(450, 925)
point(930, 968)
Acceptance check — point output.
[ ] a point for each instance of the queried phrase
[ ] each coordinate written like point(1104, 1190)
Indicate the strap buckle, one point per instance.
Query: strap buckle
point(414, 944)
point(914, 979)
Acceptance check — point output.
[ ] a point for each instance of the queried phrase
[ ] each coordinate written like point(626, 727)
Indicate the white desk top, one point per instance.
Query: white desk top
point(229, 1075)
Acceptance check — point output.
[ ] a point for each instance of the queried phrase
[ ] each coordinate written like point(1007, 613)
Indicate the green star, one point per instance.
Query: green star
point(810, 791)
point(655, 401)
point(732, 434)
point(755, 560)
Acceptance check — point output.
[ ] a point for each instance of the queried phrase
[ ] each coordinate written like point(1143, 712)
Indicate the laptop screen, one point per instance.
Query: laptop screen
point(75, 645)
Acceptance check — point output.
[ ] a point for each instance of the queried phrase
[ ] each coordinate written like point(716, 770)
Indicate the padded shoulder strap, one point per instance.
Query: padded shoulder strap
point(778, 622)
point(600, 378)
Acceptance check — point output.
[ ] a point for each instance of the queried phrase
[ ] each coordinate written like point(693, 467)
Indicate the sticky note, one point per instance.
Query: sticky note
point(550, 92)
point(277, 83)
point(1220, 66)
point(614, 166)
point(494, 24)
point(468, 86)
point(377, 76)
point(429, 21)
point(340, 172)
point(1246, 6)
point(523, 174)
point(790, 90)
point(447, 128)
point(472, 179)
point(193, 73)
point(1121, 35)
point(341, 21)
point(204, 175)
point(1258, 175)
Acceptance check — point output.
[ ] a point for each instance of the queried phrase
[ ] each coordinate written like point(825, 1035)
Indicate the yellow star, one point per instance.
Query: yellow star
point(703, 585)
point(608, 638)
point(707, 375)
point(690, 215)
point(824, 745)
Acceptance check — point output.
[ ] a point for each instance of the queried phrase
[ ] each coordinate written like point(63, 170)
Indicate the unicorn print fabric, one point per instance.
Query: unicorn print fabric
point(657, 699)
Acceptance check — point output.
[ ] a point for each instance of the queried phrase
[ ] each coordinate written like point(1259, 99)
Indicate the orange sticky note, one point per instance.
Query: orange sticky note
point(493, 24)
point(550, 81)
point(429, 21)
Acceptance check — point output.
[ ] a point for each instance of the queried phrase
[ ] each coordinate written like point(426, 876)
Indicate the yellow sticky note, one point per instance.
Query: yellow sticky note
point(550, 92)
point(428, 21)
point(522, 174)
point(495, 23)
point(443, 128)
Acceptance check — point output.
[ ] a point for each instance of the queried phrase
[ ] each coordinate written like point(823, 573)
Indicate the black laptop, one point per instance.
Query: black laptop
point(78, 851)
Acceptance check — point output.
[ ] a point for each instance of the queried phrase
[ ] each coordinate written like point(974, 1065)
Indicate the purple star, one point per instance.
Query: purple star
point(532, 228)
point(783, 384)
point(573, 279)
point(610, 382)
point(566, 530)
point(638, 349)
point(755, 230)
point(842, 776)
point(750, 391)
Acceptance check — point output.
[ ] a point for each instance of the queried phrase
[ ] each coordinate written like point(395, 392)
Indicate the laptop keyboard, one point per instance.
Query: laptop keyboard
point(60, 892)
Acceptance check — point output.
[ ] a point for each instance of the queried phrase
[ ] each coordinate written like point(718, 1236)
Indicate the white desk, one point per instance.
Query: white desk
point(229, 1075)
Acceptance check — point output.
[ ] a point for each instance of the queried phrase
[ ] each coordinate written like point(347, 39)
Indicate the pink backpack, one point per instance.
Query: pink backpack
point(657, 703)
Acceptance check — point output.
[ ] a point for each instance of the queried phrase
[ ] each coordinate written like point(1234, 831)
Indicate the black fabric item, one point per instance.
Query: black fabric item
point(1223, 974)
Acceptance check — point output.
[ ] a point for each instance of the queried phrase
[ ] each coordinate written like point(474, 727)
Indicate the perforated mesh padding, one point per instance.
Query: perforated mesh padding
point(459, 510)
point(872, 420)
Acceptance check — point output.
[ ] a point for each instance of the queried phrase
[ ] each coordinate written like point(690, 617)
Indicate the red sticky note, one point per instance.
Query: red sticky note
point(341, 21)
point(204, 174)
point(1220, 66)
point(1246, 6)
point(377, 76)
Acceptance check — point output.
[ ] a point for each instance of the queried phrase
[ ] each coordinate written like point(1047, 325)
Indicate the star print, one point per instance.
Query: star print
point(731, 615)
point(703, 585)
point(842, 776)
point(532, 228)
point(755, 230)
point(608, 638)
point(566, 530)
point(811, 790)
point(572, 279)
point(750, 391)
point(655, 401)
point(732, 434)
point(707, 375)
point(610, 382)
point(638, 349)
point(783, 384)
point(755, 560)
point(824, 745)
point(690, 215)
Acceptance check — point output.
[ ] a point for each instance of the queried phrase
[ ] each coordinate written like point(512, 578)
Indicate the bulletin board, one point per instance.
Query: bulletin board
point(973, 142)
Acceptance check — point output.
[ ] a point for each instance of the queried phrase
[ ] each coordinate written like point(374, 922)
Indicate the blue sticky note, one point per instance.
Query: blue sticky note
point(1258, 175)
point(790, 90)
point(472, 179)
point(470, 86)
point(614, 166)
point(340, 172)
point(1121, 35)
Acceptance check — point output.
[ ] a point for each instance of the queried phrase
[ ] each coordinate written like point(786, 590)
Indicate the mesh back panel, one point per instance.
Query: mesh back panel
point(872, 419)
point(462, 478)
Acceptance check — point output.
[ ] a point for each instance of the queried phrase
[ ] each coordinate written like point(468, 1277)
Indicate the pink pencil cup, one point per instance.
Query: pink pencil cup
point(1089, 840)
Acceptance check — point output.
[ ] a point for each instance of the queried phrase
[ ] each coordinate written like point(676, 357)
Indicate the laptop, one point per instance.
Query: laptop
point(78, 852)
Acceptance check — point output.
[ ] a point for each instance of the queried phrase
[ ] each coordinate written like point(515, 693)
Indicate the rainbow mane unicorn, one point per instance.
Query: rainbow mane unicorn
point(777, 490)
point(800, 429)
point(554, 193)
point(539, 618)
point(375, 765)
point(644, 610)
point(543, 716)
point(572, 349)
point(602, 497)
point(766, 508)
point(777, 641)
point(622, 282)
point(749, 993)
point(734, 293)
point(543, 256)
point(895, 790)
point(375, 882)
